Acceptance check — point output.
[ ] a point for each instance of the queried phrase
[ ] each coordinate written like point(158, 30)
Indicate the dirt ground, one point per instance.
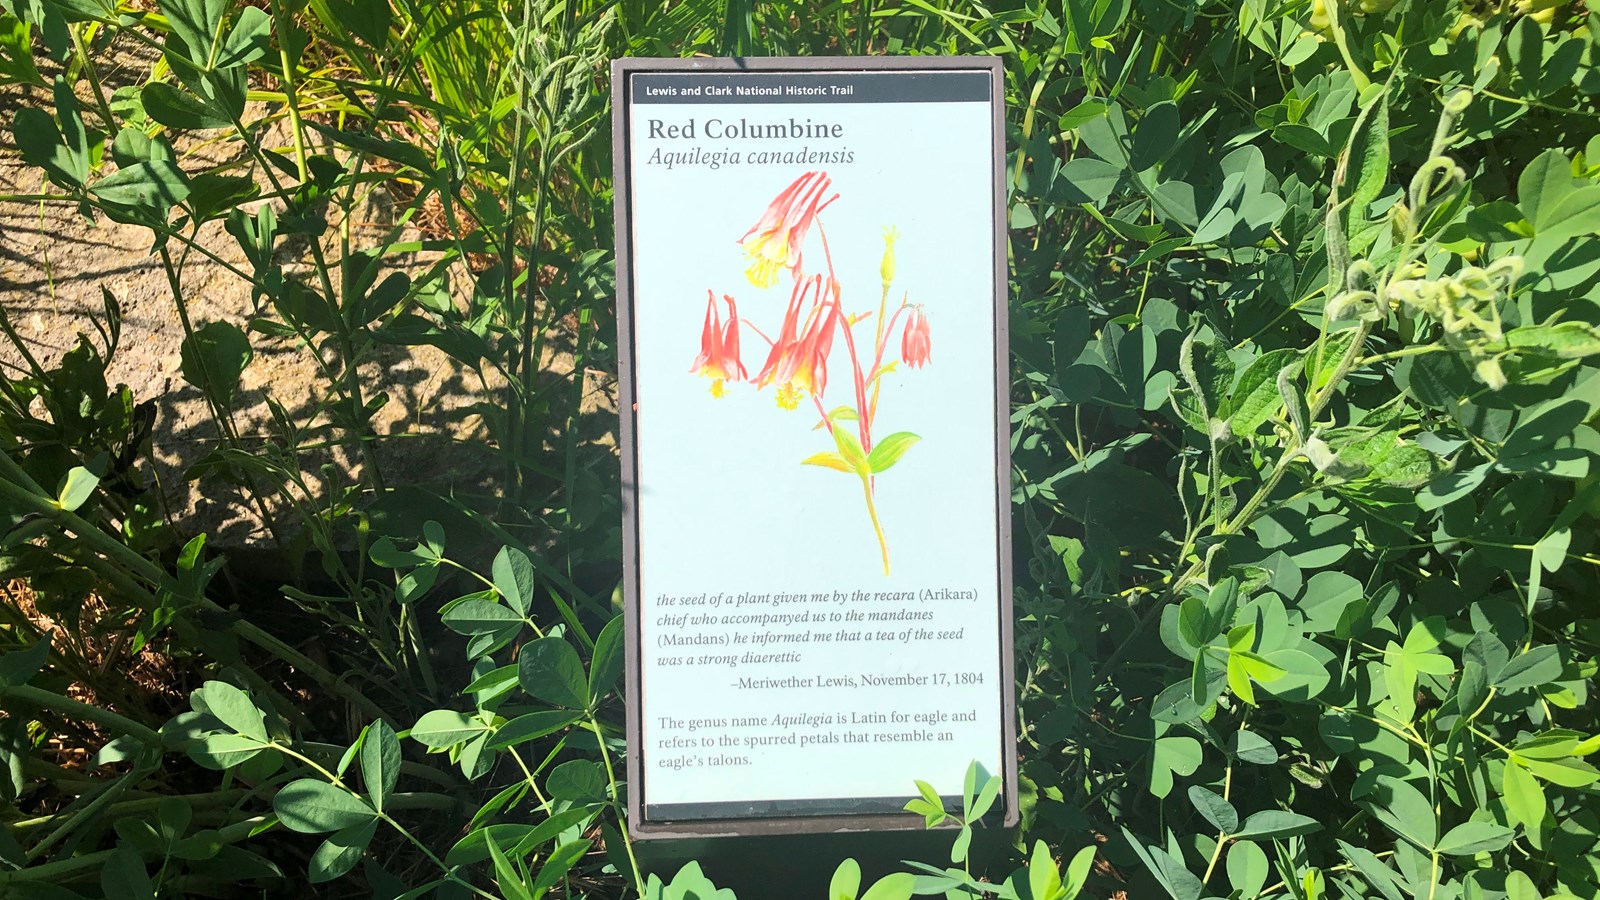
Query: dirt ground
point(54, 264)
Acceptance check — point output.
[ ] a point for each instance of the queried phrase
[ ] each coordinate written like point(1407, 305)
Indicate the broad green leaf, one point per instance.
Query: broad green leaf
point(578, 780)
point(1374, 870)
point(1563, 340)
point(310, 806)
point(251, 37)
point(898, 886)
point(235, 709)
point(1523, 796)
point(1470, 838)
point(846, 881)
point(888, 451)
point(123, 877)
point(1083, 112)
point(175, 107)
point(1538, 666)
point(1405, 811)
point(1572, 773)
point(197, 23)
point(1084, 179)
point(533, 725)
point(1326, 597)
point(225, 751)
point(1543, 184)
point(152, 187)
point(549, 669)
point(76, 488)
point(1252, 748)
point(606, 665)
point(1577, 213)
point(380, 762)
point(1255, 396)
point(474, 616)
point(214, 358)
point(443, 728)
point(558, 864)
point(514, 578)
point(1219, 812)
point(1078, 869)
point(19, 666)
point(524, 838)
point(1247, 868)
point(1173, 754)
point(1044, 879)
point(41, 144)
point(507, 877)
point(1277, 823)
point(340, 852)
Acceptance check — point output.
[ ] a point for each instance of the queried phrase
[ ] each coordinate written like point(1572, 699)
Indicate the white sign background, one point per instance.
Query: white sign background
point(724, 505)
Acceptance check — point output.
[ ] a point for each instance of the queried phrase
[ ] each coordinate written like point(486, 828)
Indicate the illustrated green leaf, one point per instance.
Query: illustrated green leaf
point(550, 670)
point(310, 806)
point(888, 451)
point(828, 461)
point(850, 450)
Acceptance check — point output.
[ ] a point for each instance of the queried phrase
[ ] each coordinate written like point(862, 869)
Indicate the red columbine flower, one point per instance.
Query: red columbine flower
point(799, 358)
point(914, 343)
point(719, 347)
point(775, 240)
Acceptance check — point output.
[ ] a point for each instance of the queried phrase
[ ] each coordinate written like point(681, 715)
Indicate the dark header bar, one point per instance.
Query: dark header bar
point(811, 87)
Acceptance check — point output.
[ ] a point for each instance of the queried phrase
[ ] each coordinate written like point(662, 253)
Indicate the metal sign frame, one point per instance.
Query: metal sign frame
point(622, 71)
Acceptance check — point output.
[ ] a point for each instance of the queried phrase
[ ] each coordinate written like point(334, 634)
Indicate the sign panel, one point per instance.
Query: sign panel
point(812, 336)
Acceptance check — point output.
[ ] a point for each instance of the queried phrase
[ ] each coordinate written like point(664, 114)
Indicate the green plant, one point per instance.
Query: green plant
point(1305, 308)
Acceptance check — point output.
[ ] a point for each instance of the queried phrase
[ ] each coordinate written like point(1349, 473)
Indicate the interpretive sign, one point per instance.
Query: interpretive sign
point(811, 281)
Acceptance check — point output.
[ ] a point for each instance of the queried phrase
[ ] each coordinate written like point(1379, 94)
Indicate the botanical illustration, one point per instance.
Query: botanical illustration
point(798, 355)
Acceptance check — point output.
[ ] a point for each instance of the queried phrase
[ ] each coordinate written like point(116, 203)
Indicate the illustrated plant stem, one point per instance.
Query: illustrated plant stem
point(877, 527)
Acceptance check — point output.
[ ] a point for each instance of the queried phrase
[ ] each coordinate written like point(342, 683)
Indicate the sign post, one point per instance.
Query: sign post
point(812, 336)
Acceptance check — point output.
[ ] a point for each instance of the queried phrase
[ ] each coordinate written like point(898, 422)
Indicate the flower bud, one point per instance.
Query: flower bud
point(886, 268)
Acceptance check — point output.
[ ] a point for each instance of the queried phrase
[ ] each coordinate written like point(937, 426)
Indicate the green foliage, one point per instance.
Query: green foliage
point(1305, 320)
